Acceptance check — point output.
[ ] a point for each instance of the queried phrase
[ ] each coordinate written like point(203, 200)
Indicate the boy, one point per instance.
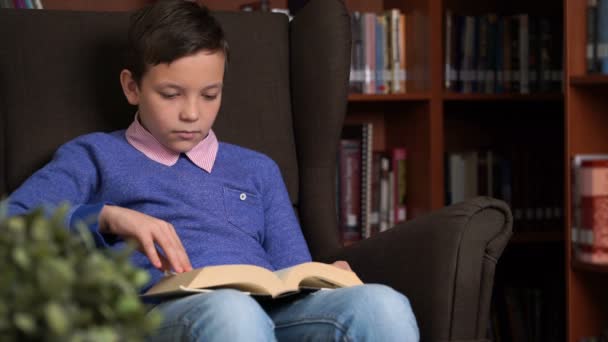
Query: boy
point(190, 201)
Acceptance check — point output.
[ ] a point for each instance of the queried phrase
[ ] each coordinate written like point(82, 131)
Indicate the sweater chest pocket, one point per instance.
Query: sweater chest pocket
point(244, 211)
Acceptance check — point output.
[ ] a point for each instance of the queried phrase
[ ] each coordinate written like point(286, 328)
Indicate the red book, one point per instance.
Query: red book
point(400, 184)
point(594, 211)
point(350, 190)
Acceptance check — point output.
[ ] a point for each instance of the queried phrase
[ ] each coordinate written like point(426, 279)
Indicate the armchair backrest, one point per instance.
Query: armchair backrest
point(285, 94)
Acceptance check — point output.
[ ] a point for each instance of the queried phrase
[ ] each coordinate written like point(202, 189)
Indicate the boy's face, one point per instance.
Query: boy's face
point(178, 102)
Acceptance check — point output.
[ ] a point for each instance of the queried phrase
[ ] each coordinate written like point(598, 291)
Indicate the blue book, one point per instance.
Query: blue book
point(380, 66)
point(602, 35)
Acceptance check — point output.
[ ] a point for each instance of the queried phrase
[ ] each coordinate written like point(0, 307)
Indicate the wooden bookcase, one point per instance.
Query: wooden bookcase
point(431, 121)
point(586, 126)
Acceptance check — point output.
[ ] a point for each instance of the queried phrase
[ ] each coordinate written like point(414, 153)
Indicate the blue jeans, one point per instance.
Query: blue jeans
point(361, 313)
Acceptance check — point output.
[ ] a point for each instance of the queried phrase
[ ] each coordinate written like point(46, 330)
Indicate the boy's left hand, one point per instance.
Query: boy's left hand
point(342, 264)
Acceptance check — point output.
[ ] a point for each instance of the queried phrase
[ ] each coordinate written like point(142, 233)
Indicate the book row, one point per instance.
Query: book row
point(597, 36)
point(502, 54)
point(25, 4)
point(517, 176)
point(526, 313)
point(378, 57)
point(371, 185)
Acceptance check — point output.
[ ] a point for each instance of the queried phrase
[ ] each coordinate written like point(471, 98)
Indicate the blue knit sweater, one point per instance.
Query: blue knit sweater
point(240, 213)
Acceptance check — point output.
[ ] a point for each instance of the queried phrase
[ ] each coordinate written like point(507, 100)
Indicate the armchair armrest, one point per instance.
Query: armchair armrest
point(444, 262)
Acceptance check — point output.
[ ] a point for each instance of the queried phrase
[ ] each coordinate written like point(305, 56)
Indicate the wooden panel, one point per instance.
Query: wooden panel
point(576, 36)
point(589, 80)
point(377, 119)
point(588, 313)
point(588, 121)
point(94, 5)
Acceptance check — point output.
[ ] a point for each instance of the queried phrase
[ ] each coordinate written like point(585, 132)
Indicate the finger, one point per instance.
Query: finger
point(148, 248)
point(180, 250)
point(168, 248)
point(166, 265)
point(342, 264)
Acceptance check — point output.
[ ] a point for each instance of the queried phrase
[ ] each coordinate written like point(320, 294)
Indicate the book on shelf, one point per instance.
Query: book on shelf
point(371, 189)
point(592, 27)
point(602, 36)
point(378, 52)
point(349, 190)
point(255, 280)
point(493, 54)
point(589, 234)
point(363, 135)
point(399, 159)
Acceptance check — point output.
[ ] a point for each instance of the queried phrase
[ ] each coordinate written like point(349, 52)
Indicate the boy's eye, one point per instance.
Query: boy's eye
point(209, 97)
point(168, 95)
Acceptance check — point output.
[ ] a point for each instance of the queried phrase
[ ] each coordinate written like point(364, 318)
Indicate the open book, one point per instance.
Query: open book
point(255, 280)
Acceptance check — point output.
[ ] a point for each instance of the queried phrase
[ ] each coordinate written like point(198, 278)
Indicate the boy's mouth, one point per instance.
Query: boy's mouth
point(187, 135)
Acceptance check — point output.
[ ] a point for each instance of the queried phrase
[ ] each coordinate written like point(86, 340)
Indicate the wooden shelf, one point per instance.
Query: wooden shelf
point(388, 97)
point(503, 97)
point(583, 266)
point(537, 237)
point(589, 80)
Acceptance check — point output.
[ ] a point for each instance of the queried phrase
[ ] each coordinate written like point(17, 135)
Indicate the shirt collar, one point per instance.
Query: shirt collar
point(202, 155)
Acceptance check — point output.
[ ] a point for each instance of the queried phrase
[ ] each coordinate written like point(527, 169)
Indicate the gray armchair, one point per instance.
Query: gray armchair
point(285, 95)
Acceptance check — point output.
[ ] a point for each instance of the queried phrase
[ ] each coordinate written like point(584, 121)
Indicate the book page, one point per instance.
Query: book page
point(317, 275)
point(248, 278)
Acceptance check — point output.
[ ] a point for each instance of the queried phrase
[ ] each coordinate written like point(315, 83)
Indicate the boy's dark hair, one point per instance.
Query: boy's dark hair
point(168, 30)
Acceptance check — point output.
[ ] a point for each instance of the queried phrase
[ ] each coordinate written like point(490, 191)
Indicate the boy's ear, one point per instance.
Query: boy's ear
point(129, 87)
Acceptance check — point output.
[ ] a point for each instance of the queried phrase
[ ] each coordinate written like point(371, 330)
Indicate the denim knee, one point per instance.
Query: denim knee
point(386, 312)
point(222, 315)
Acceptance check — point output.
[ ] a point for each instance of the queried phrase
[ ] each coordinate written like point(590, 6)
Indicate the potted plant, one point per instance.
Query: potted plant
point(55, 285)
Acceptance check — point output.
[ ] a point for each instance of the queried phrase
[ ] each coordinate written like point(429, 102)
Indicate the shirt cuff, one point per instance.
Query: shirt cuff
point(89, 215)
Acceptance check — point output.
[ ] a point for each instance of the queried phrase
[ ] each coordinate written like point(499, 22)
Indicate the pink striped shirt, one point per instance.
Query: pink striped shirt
point(202, 155)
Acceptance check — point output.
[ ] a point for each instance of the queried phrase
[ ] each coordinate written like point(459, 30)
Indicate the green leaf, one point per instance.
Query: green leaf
point(21, 257)
point(140, 278)
point(56, 319)
point(25, 322)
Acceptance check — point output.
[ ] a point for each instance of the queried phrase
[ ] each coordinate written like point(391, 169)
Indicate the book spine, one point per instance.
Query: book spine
point(350, 190)
point(400, 184)
point(592, 25)
point(356, 65)
point(403, 78)
point(448, 80)
point(602, 47)
point(370, 53)
point(594, 211)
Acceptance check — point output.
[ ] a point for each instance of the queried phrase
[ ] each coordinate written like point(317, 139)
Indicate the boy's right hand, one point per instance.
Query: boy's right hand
point(149, 232)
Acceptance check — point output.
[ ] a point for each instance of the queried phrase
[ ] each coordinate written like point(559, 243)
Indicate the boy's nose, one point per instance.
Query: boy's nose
point(189, 113)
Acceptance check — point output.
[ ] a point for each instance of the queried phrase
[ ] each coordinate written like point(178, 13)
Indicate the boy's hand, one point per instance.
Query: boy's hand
point(342, 264)
point(148, 232)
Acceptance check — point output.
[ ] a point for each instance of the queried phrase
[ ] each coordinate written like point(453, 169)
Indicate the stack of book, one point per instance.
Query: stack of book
point(371, 185)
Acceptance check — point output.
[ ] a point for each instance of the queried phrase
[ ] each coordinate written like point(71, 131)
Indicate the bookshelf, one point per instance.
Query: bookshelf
point(586, 124)
point(528, 129)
